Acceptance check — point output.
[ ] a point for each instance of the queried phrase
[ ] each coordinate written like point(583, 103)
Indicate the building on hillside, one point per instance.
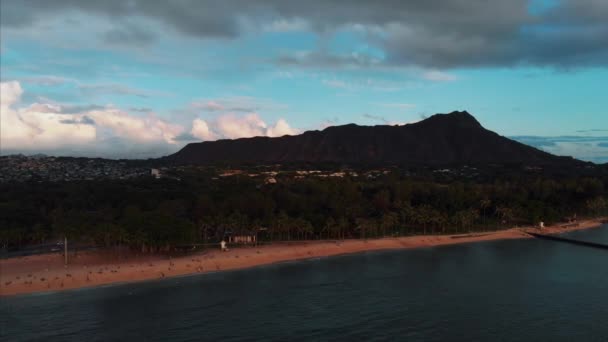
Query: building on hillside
point(155, 173)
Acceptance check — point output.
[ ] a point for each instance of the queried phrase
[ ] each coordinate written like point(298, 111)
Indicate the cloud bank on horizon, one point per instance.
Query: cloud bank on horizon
point(142, 78)
point(107, 131)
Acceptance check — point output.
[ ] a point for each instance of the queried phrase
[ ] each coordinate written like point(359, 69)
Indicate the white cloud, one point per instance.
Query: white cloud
point(365, 85)
point(336, 84)
point(201, 130)
point(438, 76)
point(585, 150)
point(384, 120)
point(236, 117)
point(284, 74)
point(590, 152)
point(327, 123)
point(30, 128)
point(55, 128)
point(46, 127)
point(241, 104)
point(280, 129)
point(590, 148)
point(148, 128)
point(232, 126)
point(210, 106)
point(284, 25)
point(11, 93)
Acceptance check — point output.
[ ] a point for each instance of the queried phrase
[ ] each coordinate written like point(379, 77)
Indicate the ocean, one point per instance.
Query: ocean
point(510, 290)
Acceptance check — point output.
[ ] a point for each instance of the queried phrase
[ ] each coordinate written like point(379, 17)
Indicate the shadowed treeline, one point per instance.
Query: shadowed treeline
point(196, 207)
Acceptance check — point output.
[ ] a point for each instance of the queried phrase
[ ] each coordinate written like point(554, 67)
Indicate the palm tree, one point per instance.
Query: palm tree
point(303, 228)
point(284, 224)
point(343, 226)
point(417, 217)
point(39, 234)
point(441, 221)
point(473, 216)
point(360, 226)
point(505, 214)
point(389, 222)
point(596, 205)
point(484, 204)
point(405, 215)
point(463, 219)
point(332, 227)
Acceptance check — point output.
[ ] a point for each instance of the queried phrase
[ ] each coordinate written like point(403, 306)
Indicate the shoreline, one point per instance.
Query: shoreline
point(46, 272)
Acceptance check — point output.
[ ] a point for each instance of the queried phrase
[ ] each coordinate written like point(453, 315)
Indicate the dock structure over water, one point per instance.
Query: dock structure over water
point(567, 240)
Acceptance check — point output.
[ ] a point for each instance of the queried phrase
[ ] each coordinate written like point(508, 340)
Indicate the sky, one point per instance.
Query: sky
point(142, 78)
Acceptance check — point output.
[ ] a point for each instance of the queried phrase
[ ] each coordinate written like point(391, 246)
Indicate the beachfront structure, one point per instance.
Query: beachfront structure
point(242, 239)
point(155, 173)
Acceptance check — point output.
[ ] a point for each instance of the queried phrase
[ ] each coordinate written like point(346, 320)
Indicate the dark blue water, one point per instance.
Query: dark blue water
point(516, 290)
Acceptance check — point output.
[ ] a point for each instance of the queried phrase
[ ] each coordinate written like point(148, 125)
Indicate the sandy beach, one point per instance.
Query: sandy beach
point(47, 272)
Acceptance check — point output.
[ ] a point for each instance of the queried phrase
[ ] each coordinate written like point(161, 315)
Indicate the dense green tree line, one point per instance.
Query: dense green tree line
point(151, 214)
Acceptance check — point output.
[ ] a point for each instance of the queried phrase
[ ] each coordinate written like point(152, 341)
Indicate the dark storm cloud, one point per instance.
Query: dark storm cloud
point(428, 33)
point(196, 18)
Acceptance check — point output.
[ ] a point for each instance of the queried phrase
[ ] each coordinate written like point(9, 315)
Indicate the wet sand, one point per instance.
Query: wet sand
point(47, 272)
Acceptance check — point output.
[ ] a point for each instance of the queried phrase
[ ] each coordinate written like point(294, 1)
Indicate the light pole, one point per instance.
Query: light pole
point(65, 249)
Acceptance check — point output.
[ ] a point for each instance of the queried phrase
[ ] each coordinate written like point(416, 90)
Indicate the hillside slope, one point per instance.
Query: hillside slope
point(454, 138)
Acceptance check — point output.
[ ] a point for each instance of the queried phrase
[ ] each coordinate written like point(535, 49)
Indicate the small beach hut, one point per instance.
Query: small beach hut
point(243, 238)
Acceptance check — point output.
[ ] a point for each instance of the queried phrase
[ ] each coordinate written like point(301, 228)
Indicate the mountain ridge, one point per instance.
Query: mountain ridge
point(452, 138)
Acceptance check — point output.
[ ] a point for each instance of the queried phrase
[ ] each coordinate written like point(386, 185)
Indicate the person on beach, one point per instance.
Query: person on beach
point(223, 246)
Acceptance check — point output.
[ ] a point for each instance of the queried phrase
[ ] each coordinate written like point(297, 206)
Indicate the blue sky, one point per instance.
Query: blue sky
point(142, 78)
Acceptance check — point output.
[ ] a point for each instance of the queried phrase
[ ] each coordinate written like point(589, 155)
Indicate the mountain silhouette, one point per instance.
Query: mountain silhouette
point(454, 138)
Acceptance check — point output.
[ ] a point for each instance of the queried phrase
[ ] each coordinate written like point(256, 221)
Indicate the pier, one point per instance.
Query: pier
point(572, 241)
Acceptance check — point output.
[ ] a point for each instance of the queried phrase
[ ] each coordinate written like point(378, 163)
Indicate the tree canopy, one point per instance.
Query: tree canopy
point(156, 214)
